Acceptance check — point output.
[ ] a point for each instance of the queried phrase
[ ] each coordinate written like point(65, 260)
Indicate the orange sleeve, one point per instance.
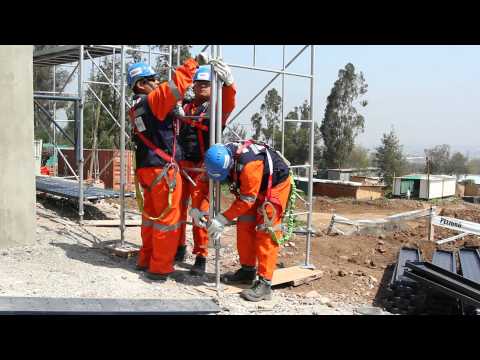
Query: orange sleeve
point(250, 182)
point(162, 100)
point(228, 102)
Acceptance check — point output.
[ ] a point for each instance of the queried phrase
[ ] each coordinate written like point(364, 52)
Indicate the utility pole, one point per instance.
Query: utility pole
point(428, 178)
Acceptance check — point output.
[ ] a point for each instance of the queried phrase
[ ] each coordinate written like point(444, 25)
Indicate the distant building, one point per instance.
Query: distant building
point(423, 187)
point(345, 174)
point(338, 188)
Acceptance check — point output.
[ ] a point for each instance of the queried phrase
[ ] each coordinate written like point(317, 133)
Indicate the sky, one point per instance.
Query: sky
point(427, 93)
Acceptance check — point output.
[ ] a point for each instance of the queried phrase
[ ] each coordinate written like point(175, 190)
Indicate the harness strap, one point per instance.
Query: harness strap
point(162, 154)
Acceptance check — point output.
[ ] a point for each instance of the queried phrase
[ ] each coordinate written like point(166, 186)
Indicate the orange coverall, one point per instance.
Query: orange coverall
point(257, 245)
point(199, 194)
point(160, 238)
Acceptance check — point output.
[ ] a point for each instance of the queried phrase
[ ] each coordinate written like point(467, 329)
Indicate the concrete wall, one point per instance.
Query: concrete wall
point(17, 182)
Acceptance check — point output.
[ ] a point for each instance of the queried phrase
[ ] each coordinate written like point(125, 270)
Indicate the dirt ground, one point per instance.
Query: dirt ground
point(69, 260)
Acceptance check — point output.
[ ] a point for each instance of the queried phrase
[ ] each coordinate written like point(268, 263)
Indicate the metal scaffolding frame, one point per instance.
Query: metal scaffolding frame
point(216, 134)
point(66, 55)
point(78, 54)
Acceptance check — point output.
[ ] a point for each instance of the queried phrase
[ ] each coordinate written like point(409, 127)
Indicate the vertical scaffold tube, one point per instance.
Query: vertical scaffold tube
point(218, 139)
point(312, 144)
point(283, 100)
point(80, 134)
point(170, 54)
point(212, 136)
point(122, 147)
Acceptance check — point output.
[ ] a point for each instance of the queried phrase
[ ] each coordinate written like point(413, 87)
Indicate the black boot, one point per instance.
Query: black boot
point(181, 252)
point(261, 290)
point(141, 268)
point(164, 277)
point(244, 275)
point(199, 268)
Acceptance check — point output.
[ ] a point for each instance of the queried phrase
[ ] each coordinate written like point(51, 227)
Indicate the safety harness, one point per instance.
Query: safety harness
point(196, 123)
point(269, 200)
point(137, 123)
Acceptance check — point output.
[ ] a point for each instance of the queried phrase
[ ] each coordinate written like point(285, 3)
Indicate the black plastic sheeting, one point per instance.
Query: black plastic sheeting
point(69, 189)
point(447, 282)
point(470, 264)
point(83, 306)
point(445, 260)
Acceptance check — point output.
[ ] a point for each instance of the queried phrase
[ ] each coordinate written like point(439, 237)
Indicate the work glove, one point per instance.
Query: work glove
point(178, 110)
point(198, 217)
point(223, 71)
point(189, 94)
point(217, 226)
point(202, 58)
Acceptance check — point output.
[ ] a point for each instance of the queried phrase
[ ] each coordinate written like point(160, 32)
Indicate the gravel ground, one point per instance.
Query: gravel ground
point(69, 261)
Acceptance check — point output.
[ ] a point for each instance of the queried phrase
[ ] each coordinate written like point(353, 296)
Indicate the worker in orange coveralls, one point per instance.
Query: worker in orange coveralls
point(195, 140)
point(157, 154)
point(261, 182)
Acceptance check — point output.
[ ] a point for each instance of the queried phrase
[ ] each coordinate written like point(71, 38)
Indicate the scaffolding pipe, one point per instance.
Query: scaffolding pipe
point(266, 86)
point(49, 116)
point(56, 97)
point(170, 53)
point(218, 139)
point(122, 147)
point(80, 160)
point(282, 72)
point(283, 99)
point(310, 172)
point(211, 183)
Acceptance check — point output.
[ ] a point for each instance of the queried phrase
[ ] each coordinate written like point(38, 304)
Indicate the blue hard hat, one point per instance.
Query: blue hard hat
point(203, 73)
point(137, 71)
point(218, 161)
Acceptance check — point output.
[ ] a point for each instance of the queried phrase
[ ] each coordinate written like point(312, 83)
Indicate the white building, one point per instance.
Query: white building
point(423, 187)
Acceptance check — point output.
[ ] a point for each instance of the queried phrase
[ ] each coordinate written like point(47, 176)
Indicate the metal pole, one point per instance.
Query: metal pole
point(218, 139)
point(55, 155)
point(170, 53)
point(122, 147)
point(212, 136)
point(254, 55)
point(178, 55)
point(80, 134)
point(265, 87)
point(310, 173)
point(283, 100)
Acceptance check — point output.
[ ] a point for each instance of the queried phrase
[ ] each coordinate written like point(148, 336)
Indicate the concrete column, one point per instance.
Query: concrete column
point(17, 179)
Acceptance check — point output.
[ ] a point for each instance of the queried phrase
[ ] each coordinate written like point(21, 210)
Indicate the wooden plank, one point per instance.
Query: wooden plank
point(294, 274)
point(114, 222)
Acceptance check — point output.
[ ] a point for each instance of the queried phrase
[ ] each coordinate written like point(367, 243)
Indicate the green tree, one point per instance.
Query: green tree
point(342, 123)
point(297, 136)
point(439, 158)
point(457, 164)
point(256, 120)
point(358, 158)
point(270, 111)
point(389, 157)
point(473, 166)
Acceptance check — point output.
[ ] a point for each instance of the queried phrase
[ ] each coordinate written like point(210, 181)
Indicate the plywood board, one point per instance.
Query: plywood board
point(296, 275)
